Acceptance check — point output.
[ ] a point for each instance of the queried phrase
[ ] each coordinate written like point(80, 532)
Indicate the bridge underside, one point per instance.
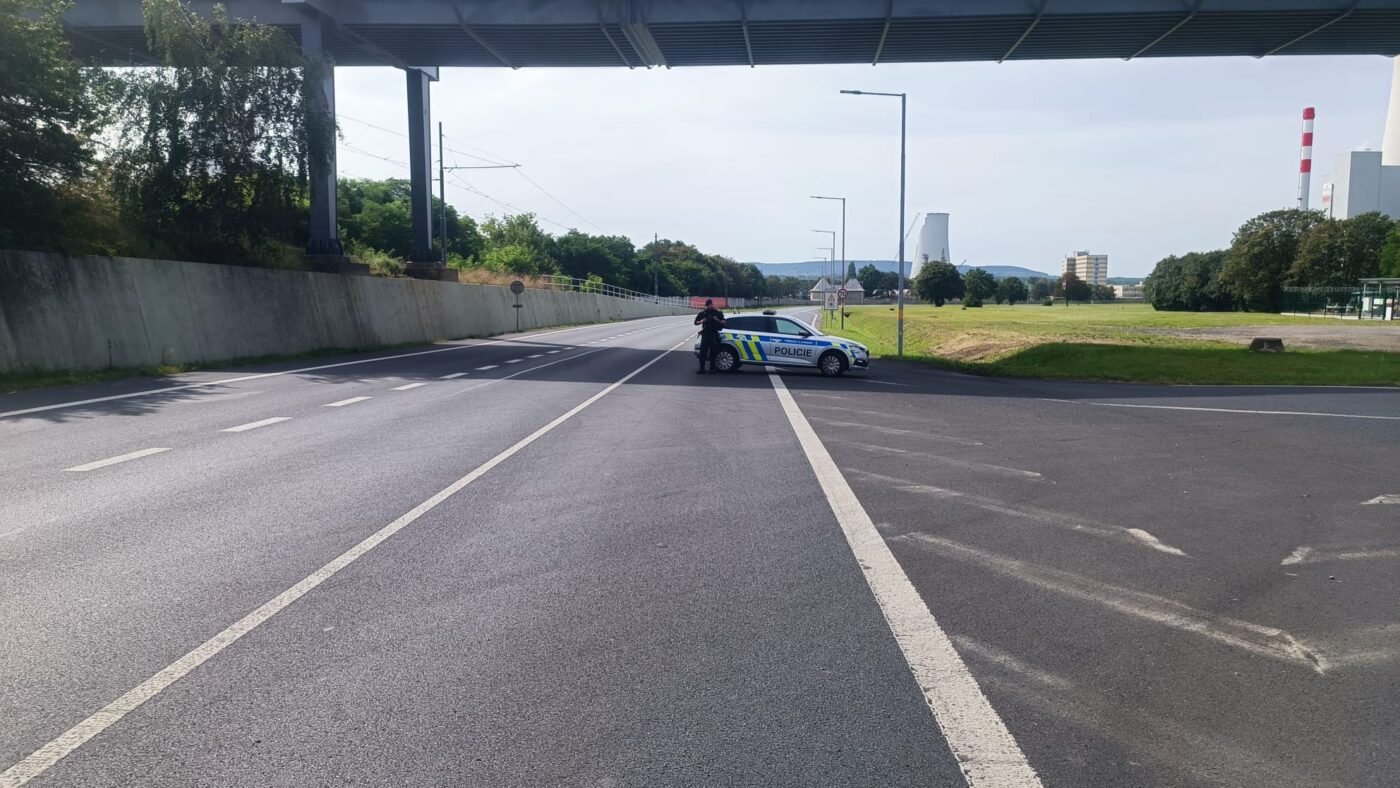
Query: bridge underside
point(421, 35)
point(640, 33)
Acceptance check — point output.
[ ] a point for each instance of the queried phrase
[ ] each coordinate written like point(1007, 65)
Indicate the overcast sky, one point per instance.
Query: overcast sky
point(1134, 159)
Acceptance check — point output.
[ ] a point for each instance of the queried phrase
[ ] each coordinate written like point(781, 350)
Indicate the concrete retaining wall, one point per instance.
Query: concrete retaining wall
point(72, 313)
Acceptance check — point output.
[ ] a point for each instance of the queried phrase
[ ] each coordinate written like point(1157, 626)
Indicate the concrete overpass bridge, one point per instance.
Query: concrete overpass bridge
point(420, 36)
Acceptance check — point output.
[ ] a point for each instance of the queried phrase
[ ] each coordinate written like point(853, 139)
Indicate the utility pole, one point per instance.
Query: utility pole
point(442, 184)
point(442, 194)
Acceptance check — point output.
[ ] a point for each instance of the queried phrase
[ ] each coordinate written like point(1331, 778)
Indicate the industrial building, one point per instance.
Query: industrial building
point(1368, 180)
point(932, 242)
point(1090, 268)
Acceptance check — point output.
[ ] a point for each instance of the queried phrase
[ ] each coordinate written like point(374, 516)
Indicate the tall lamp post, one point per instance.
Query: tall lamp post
point(843, 229)
point(903, 115)
point(832, 258)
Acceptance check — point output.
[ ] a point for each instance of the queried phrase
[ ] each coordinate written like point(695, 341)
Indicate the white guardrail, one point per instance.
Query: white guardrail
point(570, 283)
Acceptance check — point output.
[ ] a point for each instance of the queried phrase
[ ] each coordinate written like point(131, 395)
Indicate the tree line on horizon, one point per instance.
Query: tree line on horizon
point(1273, 251)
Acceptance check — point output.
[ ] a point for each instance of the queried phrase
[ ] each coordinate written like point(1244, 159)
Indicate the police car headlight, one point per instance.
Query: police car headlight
point(859, 352)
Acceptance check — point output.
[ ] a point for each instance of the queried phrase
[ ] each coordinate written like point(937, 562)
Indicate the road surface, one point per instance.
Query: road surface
point(562, 558)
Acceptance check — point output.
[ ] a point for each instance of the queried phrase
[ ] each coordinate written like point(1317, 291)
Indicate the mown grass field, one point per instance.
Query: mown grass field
point(1110, 342)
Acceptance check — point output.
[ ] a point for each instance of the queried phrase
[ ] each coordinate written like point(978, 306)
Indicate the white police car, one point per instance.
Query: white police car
point(784, 341)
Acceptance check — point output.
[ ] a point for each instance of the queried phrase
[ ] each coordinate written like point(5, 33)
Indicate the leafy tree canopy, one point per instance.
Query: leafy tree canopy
point(938, 282)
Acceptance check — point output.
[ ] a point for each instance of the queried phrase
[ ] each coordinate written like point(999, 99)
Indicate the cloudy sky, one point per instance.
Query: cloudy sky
point(1134, 159)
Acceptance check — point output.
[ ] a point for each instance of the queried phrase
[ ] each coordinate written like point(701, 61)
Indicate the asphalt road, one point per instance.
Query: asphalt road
point(564, 559)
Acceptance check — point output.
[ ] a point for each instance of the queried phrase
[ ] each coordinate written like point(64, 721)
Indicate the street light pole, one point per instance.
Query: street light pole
point(843, 229)
point(903, 126)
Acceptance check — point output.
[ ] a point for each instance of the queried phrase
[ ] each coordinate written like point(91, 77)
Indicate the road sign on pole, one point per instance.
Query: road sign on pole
point(833, 300)
point(841, 295)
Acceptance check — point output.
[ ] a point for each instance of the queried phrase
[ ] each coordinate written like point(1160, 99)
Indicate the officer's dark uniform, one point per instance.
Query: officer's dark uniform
point(710, 320)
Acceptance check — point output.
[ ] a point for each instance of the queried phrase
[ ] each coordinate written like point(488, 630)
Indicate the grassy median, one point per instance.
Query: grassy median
point(1122, 342)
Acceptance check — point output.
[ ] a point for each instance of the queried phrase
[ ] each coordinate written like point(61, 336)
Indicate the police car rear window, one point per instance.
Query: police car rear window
point(748, 323)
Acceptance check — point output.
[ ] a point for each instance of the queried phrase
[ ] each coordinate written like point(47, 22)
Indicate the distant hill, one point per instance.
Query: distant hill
point(812, 270)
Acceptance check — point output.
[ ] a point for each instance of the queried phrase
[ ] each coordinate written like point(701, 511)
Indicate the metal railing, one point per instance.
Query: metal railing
point(574, 284)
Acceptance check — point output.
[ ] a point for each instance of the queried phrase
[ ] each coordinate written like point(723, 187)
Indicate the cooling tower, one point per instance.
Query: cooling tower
point(932, 244)
point(1390, 144)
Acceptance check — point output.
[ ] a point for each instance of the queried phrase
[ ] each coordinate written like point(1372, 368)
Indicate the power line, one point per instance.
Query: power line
point(557, 200)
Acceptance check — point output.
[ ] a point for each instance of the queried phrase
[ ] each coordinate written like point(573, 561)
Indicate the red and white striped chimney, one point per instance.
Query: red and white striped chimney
point(1305, 160)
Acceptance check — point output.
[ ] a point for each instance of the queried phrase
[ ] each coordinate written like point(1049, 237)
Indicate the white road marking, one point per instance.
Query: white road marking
point(953, 461)
point(1134, 536)
point(44, 758)
point(488, 366)
point(985, 749)
point(1310, 555)
point(454, 376)
point(1382, 499)
point(1230, 410)
point(537, 355)
point(995, 655)
point(136, 455)
point(261, 375)
point(408, 386)
point(1254, 638)
point(252, 425)
point(551, 352)
point(896, 431)
point(515, 361)
point(345, 402)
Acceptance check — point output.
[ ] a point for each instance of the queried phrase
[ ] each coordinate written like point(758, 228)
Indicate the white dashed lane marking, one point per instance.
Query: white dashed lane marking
point(408, 386)
point(256, 424)
point(345, 402)
point(136, 455)
point(454, 375)
point(537, 355)
point(552, 352)
point(515, 361)
point(488, 366)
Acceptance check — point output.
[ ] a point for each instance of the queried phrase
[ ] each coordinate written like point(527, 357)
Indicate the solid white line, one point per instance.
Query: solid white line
point(261, 375)
point(408, 386)
point(45, 757)
point(488, 366)
point(136, 455)
point(345, 402)
point(1308, 555)
point(1239, 410)
point(453, 376)
point(1382, 499)
point(985, 749)
point(255, 424)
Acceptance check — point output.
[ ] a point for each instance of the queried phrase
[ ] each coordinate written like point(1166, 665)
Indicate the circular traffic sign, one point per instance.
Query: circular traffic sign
point(841, 294)
point(517, 287)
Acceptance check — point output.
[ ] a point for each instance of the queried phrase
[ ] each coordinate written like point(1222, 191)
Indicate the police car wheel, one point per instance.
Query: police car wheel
point(831, 363)
point(726, 360)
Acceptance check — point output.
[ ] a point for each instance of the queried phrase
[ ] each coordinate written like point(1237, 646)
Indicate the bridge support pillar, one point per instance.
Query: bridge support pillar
point(425, 262)
point(324, 246)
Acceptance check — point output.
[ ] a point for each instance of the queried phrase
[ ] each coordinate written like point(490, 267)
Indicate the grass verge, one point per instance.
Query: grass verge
point(1104, 343)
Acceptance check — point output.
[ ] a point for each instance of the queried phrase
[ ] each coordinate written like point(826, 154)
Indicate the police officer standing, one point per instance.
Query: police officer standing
point(711, 321)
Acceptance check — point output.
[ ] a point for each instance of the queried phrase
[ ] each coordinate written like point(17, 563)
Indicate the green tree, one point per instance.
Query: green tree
point(938, 282)
point(522, 231)
point(611, 258)
point(870, 278)
point(1337, 253)
point(1011, 289)
point(851, 271)
point(1390, 253)
point(51, 111)
point(1262, 252)
point(376, 214)
point(1104, 293)
point(1189, 283)
point(512, 258)
point(1040, 288)
point(978, 286)
point(1071, 288)
point(214, 148)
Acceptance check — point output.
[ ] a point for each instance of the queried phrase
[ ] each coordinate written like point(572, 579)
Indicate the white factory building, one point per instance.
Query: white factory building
point(1369, 180)
point(932, 243)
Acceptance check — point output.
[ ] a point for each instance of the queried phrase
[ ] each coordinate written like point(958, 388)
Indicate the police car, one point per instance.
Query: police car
point(784, 341)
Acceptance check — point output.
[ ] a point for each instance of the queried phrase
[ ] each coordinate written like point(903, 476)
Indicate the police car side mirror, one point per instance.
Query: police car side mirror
point(804, 333)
